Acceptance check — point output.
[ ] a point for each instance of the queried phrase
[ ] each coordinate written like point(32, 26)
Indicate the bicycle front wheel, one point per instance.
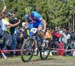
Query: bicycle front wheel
point(27, 50)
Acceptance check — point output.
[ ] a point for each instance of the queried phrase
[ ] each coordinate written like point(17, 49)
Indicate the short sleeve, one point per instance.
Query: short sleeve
point(37, 15)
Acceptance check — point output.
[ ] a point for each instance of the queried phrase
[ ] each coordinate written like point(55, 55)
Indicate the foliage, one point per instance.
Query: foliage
point(56, 12)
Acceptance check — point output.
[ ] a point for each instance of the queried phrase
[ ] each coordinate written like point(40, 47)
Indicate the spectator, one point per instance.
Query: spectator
point(6, 28)
point(37, 22)
point(66, 35)
point(13, 30)
point(56, 37)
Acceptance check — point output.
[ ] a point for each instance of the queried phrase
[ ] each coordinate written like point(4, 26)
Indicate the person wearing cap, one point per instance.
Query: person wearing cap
point(14, 31)
point(6, 25)
point(36, 20)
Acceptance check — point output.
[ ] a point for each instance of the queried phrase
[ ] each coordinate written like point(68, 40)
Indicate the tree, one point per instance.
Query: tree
point(56, 12)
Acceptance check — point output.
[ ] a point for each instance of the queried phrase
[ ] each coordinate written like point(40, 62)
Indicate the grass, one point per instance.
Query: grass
point(38, 58)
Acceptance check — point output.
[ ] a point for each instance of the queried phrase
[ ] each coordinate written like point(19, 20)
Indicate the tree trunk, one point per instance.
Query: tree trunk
point(73, 23)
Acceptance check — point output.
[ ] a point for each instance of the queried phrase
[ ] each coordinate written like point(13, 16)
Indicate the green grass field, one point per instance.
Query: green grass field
point(36, 61)
point(38, 58)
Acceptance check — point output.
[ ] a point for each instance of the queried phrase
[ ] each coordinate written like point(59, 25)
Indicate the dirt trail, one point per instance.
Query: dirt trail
point(50, 62)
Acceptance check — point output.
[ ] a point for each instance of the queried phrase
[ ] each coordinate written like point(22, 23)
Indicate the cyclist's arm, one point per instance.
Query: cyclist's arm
point(44, 23)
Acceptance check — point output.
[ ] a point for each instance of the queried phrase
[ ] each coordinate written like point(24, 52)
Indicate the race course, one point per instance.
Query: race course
point(51, 61)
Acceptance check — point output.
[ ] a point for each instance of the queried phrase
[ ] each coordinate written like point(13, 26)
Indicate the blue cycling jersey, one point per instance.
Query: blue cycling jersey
point(36, 16)
point(36, 19)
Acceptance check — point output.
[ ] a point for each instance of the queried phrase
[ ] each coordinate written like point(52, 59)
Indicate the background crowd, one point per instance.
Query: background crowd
point(12, 33)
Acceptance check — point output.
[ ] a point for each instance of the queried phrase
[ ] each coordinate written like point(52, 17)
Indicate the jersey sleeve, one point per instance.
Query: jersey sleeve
point(37, 15)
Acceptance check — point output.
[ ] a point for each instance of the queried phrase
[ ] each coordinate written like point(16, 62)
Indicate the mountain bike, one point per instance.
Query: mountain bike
point(27, 50)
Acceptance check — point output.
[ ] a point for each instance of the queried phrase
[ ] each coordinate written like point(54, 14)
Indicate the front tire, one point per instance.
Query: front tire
point(27, 50)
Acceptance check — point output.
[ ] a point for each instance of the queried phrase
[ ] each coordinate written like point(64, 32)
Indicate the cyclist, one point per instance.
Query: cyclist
point(35, 20)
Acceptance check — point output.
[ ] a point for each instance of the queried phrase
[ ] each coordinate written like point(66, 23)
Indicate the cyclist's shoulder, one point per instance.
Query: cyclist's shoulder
point(35, 13)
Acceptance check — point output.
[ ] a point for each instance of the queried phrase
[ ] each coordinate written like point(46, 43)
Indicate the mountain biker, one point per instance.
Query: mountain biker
point(36, 20)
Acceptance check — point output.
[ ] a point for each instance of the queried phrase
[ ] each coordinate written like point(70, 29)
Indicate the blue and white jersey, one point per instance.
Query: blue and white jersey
point(36, 16)
point(36, 19)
